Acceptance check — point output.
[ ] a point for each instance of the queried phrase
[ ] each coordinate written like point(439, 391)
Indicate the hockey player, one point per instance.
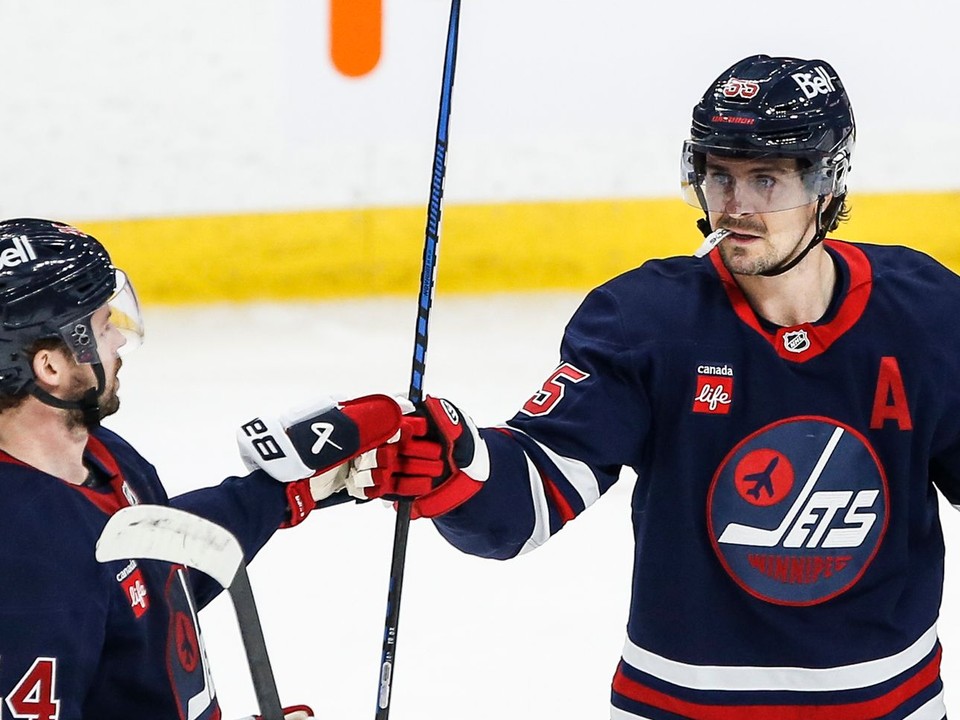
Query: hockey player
point(790, 405)
point(119, 640)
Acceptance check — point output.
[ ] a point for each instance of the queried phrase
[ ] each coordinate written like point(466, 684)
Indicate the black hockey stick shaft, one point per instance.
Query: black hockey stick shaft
point(428, 276)
point(251, 632)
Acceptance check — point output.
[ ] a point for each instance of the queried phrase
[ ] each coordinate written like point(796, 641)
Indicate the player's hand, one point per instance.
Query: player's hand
point(440, 461)
point(310, 449)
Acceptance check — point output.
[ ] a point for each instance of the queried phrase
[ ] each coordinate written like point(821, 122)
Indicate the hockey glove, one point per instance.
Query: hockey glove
point(440, 461)
point(296, 712)
point(310, 449)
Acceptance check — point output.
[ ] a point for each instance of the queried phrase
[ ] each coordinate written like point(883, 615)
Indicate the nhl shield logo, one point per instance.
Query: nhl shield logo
point(796, 341)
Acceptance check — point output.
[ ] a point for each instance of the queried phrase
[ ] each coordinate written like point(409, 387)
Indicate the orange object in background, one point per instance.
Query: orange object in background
point(356, 33)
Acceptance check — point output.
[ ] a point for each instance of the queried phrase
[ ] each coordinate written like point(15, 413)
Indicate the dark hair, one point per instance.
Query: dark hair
point(842, 216)
point(9, 402)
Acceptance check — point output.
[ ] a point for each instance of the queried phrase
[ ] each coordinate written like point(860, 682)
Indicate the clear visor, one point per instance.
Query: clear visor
point(745, 185)
point(125, 314)
point(115, 327)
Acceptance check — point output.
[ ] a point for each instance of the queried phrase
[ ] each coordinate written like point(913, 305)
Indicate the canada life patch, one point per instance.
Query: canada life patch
point(797, 511)
point(131, 580)
point(714, 391)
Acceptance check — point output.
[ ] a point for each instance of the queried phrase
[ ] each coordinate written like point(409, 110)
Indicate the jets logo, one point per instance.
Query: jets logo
point(764, 477)
point(797, 510)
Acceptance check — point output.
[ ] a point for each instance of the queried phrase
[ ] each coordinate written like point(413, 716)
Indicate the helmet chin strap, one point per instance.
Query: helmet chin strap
point(825, 218)
point(89, 404)
point(818, 237)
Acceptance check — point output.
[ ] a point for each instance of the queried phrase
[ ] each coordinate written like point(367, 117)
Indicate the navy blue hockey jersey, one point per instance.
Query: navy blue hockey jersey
point(114, 641)
point(789, 557)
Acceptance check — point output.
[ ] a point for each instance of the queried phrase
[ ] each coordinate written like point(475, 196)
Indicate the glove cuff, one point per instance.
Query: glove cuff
point(299, 501)
point(451, 494)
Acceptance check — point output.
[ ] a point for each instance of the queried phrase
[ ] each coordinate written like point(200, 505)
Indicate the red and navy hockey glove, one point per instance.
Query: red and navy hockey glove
point(296, 712)
point(440, 461)
point(310, 449)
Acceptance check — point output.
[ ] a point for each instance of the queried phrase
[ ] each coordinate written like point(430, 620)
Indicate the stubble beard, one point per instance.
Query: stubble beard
point(108, 403)
point(759, 256)
point(753, 259)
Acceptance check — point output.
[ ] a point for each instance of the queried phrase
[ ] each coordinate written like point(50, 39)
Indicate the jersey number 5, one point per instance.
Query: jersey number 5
point(33, 696)
point(551, 392)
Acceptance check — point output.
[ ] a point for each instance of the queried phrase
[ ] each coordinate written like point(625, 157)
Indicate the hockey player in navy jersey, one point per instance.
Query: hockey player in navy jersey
point(790, 405)
point(119, 640)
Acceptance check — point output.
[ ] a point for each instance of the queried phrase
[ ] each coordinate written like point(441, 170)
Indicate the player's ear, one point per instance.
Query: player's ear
point(50, 368)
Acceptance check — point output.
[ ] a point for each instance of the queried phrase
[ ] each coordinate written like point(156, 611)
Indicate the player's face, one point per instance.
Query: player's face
point(109, 341)
point(752, 193)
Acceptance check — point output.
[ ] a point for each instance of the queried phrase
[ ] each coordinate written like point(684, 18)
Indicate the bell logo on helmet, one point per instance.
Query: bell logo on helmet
point(816, 83)
point(21, 252)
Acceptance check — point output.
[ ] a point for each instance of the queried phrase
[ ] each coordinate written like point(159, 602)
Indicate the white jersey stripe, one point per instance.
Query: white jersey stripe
point(618, 714)
point(844, 677)
point(577, 473)
point(933, 709)
point(541, 511)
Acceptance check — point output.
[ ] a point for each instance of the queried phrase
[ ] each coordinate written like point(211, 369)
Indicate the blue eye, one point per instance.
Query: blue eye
point(764, 182)
point(719, 179)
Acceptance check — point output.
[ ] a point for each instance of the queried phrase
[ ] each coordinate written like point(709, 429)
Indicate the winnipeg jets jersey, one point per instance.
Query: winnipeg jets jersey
point(114, 641)
point(789, 556)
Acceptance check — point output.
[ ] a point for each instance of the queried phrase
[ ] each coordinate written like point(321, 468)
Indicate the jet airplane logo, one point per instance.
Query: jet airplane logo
point(798, 509)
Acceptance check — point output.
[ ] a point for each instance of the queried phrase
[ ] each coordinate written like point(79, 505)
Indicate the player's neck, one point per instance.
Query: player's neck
point(800, 295)
point(40, 436)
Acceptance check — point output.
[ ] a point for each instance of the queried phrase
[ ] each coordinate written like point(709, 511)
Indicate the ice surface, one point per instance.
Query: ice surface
point(535, 637)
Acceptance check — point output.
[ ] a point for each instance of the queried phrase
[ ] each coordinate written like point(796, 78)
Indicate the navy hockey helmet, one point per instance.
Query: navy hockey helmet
point(766, 106)
point(53, 277)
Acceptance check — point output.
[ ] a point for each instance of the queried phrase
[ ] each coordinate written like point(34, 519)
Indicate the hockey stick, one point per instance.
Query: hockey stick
point(428, 277)
point(157, 532)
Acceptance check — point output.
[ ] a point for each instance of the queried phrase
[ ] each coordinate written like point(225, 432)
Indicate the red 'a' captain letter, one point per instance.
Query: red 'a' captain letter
point(890, 398)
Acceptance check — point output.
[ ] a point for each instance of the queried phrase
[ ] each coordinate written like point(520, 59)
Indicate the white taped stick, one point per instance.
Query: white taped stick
point(175, 536)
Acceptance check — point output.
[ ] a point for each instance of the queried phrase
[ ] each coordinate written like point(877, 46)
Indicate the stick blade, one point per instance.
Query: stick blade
point(158, 532)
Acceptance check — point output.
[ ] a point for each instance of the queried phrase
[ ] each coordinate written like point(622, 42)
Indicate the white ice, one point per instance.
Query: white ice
point(535, 637)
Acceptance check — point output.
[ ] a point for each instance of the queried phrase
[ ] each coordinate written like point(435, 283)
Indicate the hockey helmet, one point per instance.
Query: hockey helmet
point(768, 106)
point(53, 278)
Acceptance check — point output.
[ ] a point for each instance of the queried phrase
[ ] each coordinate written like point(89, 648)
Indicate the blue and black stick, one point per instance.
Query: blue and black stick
point(428, 277)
